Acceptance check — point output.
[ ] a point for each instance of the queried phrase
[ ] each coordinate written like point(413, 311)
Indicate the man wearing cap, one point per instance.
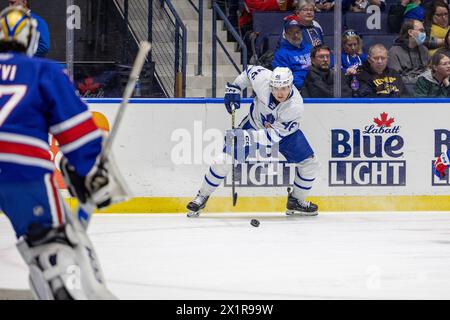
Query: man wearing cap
point(293, 53)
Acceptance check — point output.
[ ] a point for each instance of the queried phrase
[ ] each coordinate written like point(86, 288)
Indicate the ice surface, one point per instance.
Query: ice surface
point(221, 256)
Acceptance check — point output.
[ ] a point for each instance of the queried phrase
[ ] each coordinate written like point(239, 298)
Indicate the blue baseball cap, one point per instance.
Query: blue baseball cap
point(292, 23)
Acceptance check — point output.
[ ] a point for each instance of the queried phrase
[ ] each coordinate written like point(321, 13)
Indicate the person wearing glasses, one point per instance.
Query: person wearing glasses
point(311, 30)
point(408, 55)
point(436, 25)
point(434, 83)
point(293, 53)
point(320, 79)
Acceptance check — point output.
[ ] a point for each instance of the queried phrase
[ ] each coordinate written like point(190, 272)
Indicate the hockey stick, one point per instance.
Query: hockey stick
point(233, 187)
point(84, 211)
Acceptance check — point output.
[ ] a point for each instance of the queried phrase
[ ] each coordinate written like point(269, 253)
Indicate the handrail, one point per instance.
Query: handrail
point(215, 39)
point(179, 25)
point(199, 10)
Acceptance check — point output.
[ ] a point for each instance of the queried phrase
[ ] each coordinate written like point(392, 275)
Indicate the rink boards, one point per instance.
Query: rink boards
point(375, 155)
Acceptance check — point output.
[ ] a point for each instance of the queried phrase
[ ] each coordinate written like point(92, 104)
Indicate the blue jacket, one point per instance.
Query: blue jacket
point(296, 59)
point(349, 61)
point(44, 39)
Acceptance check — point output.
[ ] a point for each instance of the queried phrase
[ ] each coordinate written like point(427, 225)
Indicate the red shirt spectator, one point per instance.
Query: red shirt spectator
point(261, 5)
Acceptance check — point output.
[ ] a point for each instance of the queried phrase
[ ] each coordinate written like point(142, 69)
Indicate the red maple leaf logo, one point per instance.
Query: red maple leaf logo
point(383, 121)
point(88, 85)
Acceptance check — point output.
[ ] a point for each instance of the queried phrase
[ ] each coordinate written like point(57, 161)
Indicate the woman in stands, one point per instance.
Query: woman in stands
point(434, 82)
point(436, 25)
point(311, 30)
point(352, 55)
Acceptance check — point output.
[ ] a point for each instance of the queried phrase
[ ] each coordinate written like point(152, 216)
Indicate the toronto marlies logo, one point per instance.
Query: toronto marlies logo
point(268, 120)
point(368, 157)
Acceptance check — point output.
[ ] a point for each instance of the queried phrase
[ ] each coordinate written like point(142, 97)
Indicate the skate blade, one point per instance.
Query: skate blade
point(301, 213)
point(193, 214)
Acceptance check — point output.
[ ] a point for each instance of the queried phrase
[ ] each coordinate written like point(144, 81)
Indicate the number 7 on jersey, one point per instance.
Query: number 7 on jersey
point(17, 92)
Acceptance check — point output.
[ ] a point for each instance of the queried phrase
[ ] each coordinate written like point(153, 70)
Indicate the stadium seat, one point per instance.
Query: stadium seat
point(386, 39)
point(358, 22)
point(326, 21)
point(266, 22)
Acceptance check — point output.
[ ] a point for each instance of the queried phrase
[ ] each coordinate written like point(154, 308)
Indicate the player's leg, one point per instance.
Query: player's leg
point(214, 176)
point(61, 259)
point(296, 149)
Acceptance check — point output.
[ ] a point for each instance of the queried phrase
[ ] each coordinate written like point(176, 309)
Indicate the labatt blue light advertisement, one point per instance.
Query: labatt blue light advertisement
point(371, 155)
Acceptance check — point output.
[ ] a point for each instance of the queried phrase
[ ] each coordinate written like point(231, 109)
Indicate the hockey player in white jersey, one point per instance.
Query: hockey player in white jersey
point(273, 119)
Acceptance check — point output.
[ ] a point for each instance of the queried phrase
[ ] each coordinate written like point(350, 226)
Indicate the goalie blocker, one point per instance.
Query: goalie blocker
point(101, 187)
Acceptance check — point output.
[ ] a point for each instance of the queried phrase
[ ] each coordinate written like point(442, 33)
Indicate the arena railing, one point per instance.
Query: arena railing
point(217, 11)
point(159, 23)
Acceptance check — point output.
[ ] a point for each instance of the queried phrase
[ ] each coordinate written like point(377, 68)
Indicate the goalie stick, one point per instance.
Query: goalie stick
point(85, 210)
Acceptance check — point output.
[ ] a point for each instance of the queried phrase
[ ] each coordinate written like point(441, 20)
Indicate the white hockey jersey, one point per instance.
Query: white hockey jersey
point(271, 119)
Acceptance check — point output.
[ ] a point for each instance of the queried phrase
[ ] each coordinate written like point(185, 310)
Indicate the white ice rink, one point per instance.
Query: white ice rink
point(221, 256)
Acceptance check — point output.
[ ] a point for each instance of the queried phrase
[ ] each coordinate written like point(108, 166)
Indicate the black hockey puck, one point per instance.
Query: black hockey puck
point(254, 223)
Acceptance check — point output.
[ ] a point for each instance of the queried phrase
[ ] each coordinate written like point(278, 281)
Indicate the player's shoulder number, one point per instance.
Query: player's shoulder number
point(16, 94)
point(254, 72)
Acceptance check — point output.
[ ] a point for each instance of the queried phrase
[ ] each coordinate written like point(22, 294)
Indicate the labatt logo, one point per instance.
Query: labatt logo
point(368, 157)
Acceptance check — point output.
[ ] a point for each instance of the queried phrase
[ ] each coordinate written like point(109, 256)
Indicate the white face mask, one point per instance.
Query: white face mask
point(420, 39)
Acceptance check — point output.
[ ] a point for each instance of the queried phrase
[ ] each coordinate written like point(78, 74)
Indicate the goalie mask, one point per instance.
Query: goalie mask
point(18, 31)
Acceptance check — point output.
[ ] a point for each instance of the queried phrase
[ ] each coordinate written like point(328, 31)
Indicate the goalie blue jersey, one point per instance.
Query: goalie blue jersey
point(38, 99)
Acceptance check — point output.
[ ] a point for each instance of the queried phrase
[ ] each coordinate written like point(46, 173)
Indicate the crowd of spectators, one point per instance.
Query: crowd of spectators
point(417, 63)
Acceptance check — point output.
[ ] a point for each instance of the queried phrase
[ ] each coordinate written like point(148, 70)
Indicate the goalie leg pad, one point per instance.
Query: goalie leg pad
point(63, 265)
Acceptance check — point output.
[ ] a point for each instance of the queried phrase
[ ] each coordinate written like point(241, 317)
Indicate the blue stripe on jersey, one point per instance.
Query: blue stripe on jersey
point(268, 136)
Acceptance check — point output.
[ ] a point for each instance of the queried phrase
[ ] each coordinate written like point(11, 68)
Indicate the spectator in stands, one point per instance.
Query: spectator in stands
point(324, 5)
point(447, 42)
point(376, 79)
point(352, 55)
point(407, 9)
point(414, 10)
point(42, 27)
point(246, 19)
point(435, 81)
point(436, 25)
point(311, 29)
point(294, 53)
point(408, 55)
point(361, 5)
point(320, 79)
